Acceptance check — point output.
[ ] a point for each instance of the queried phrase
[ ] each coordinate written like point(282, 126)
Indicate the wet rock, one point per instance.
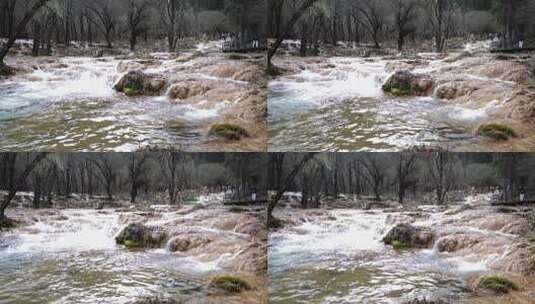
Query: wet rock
point(187, 242)
point(405, 83)
point(409, 236)
point(139, 236)
point(138, 83)
point(455, 242)
point(251, 73)
point(453, 90)
point(519, 258)
point(186, 90)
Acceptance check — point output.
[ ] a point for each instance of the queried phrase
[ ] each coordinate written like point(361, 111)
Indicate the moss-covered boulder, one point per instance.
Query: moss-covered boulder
point(496, 284)
point(136, 83)
point(405, 83)
point(496, 131)
point(404, 236)
point(228, 131)
point(139, 236)
point(229, 284)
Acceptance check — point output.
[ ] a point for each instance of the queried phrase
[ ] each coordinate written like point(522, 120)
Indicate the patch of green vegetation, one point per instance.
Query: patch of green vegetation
point(530, 83)
point(131, 244)
point(398, 245)
point(7, 223)
point(229, 131)
point(130, 91)
point(229, 284)
point(531, 220)
point(497, 284)
point(496, 131)
point(399, 92)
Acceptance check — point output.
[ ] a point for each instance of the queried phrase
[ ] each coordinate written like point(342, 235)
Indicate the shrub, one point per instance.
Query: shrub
point(496, 131)
point(229, 284)
point(497, 284)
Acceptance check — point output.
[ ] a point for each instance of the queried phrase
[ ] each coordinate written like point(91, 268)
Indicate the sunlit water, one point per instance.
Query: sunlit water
point(344, 109)
point(76, 260)
point(75, 108)
point(344, 261)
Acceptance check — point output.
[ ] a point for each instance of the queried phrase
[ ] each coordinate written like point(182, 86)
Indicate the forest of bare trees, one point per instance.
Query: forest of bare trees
point(396, 176)
point(67, 23)
point(396, 23)
point(130, 175)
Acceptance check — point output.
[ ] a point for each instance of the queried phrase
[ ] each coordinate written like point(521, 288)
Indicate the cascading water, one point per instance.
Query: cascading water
point(72, 257)
point(70, 104)
point(338, 105)
point(344, 261)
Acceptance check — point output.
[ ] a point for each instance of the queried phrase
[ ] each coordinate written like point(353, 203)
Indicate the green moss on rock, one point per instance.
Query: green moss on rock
point(497, 284)
point(496, 131)
point(229, 284)
point(229, 131)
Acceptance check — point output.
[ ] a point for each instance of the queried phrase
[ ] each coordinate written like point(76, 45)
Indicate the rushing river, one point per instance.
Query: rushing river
point(342, 108)
point(72, 105)
point(344, 261)
point(74, 259)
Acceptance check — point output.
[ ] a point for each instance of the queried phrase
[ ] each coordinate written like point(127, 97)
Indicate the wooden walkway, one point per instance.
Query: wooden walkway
point(513, 50)
point(234, 46)
point(514, 203)
point(245, 202)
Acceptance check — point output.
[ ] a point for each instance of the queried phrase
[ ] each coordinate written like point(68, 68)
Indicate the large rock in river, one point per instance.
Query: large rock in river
point(405, 83)
point(409, 236)
point(138, 83)
point(139, 236)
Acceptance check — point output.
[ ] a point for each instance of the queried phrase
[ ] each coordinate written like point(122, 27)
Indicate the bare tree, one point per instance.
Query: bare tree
point(374, 173)
point(442, 174)
point(406, 163)
point(173, 14)
point(136, 170)
point(288, 180)
point(284, 30)
point(16, 180)
point(404, 11)
point(15, 31)
point(137, 15)
point(441, 19)
point(173, 168)
point(373, 18)
point(106, 172)
point(102, 16)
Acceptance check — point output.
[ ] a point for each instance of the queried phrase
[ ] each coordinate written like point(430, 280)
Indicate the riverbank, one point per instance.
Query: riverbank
point(71, 101)
point(74, 255)
point(340, 95)
point(339, 255)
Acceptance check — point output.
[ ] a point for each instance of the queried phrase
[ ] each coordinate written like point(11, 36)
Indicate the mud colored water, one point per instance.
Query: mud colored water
point(76, 260)
point(342, 108)
point(75, 108)
point(344, 261)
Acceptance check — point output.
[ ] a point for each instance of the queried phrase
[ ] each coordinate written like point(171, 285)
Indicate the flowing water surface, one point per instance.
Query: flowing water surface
point(74, 107)
point(344, 261)
point(74, 259)
point(343, 108)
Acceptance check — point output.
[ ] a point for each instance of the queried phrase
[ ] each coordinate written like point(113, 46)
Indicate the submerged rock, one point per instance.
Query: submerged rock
point(187, 242)
point(138, 83)
point(409, 236)
point(186, 90)
point(405, 83)
point(139, 236)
